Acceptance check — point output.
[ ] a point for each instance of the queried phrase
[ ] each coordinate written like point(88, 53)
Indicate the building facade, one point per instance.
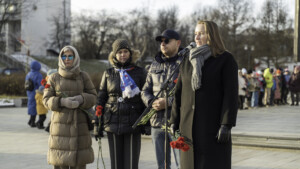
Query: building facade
point(29, 27)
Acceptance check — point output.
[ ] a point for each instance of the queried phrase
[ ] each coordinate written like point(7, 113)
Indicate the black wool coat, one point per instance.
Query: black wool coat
point(200, 113)
point(294, 82)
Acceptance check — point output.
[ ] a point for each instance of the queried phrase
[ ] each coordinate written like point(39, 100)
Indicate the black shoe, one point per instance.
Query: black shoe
point(39, 125)
point(47, 129)
point(292, 104)
point(32, 124)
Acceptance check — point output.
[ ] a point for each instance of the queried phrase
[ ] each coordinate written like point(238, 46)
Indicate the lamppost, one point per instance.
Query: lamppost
point(250, 49)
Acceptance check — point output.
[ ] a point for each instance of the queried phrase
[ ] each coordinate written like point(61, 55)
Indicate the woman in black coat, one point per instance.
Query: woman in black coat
point(120, 102)
point(294, 86)
point(206, 101)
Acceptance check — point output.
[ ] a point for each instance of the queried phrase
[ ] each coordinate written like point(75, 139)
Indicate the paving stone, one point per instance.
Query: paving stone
point(24, 147)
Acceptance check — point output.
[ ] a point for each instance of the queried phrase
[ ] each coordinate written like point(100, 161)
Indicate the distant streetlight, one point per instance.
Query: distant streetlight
point(250, 49)
point(12, 8)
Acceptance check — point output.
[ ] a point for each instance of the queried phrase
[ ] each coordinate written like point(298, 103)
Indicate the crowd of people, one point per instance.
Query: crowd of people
point(268, 87)
point(208, 90)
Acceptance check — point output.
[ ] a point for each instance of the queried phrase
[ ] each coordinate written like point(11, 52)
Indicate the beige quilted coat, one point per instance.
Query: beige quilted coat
point(70, 141)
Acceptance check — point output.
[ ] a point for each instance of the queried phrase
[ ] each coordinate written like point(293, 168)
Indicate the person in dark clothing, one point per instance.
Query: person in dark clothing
point(206, 101)
point(294, 86)
point(35, 76)
point(120, 100)
point(262, 88)
point(160, 70)
point(286, 76)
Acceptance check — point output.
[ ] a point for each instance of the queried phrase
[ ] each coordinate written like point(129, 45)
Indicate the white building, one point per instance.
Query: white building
point(31, 23)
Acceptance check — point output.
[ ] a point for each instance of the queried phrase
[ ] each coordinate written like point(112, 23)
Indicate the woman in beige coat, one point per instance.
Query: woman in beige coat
point(67, 93)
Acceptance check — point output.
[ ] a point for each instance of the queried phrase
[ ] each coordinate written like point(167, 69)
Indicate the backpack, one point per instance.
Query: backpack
point(29, 85)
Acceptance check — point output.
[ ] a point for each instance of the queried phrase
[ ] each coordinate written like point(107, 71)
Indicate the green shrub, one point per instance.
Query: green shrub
point(12, 85)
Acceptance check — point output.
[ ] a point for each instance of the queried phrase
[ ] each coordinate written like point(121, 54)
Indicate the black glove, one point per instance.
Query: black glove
point(146, 130)
point(173, 129)
point(98, 132)
point(224, 134)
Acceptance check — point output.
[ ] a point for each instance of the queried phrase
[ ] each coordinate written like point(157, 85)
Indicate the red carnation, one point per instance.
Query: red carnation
point(175, 81)
point(43, 82)
point(99, 109)
point(47, 86)
point(180, 144)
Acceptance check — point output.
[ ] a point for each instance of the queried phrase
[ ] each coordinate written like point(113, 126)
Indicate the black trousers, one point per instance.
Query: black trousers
point(295, 98)
point(241, 101)
point(124, 150)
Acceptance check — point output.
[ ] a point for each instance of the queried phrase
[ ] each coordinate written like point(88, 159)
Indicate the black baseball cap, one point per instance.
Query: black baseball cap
point(168, 34)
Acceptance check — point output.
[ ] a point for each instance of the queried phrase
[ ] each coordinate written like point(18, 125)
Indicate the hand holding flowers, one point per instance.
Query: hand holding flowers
point(182, 143)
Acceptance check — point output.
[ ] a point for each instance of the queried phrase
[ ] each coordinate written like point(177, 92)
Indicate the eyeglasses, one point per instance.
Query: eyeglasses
point(64, 57)
point(166, 41)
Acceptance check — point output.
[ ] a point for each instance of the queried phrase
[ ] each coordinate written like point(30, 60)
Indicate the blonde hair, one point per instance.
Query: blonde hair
point(214, 39)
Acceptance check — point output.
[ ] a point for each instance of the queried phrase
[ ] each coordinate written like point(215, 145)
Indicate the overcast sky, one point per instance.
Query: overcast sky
point(185, 6)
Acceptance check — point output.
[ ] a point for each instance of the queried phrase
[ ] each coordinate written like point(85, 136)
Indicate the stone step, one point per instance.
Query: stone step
point(279, 142)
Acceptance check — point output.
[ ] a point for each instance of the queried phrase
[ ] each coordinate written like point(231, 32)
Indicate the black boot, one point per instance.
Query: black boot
point(40, 125)
point(29, 122)
point(32, 124)
point(48, 127)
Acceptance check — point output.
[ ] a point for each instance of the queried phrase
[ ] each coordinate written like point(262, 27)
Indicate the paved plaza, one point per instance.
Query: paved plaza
point(26, 148)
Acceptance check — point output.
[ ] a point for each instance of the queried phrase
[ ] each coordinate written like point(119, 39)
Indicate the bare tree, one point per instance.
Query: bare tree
point(167, 19)
point(274, 37)
point(60, 32)
point(234, 19)
point(140, 30)
point(94, 34)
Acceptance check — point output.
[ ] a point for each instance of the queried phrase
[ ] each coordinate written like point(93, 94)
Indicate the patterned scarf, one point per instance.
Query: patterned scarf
point(197, 57)
point(128, 86)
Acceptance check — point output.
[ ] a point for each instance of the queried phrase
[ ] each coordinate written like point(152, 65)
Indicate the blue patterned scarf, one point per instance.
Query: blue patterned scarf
point(128, 86)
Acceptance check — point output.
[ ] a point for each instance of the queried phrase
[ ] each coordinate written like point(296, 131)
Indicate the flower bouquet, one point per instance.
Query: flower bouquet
point(152, 111)
point(180, 142)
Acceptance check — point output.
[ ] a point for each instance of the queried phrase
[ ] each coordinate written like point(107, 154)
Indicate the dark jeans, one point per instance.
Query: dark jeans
point(124, 150)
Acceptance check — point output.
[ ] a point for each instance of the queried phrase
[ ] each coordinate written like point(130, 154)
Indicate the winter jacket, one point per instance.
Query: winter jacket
point(268, 78)
point(120, 113)
point(70, 143)
point(277, 83)
point(253, 84)
point(159, 71)
point(242, 85)
point(294, 83)
point(41, 109)
point(36, 78)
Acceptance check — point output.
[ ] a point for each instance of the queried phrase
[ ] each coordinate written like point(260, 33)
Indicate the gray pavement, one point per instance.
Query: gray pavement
point(26, 148)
